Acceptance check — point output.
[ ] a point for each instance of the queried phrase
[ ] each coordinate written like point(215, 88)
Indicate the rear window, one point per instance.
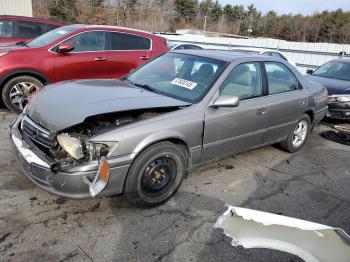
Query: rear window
point(6, 28)
point(124, 41)
point(29, 29)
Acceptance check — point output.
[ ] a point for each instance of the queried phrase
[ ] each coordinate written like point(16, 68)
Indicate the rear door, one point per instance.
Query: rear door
point(126, 52)
point(87, 60)
point(286, 101)
point(231, 130)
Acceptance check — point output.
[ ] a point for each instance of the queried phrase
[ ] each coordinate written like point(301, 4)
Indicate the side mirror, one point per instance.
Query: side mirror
point(309, 71)
point(64, 48)
point(226, 101)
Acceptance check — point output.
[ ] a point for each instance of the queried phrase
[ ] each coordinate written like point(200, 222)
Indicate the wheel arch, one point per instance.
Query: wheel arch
point(175, 139)
point(311, 114)
point(28, 72)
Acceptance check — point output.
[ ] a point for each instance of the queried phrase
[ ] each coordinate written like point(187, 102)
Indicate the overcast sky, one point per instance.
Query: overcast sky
point(293, 6)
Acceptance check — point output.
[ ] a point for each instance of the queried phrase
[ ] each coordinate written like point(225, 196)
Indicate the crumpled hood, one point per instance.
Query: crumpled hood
point(62, 105)
point(334, 86)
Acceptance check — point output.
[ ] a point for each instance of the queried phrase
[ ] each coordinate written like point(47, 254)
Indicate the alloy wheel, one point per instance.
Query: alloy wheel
point(300, 133)
point(20, 93)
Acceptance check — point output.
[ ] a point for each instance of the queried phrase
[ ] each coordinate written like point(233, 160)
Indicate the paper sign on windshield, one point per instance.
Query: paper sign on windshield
point(184, 83)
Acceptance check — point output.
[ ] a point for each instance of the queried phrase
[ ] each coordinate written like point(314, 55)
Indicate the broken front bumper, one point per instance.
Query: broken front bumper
point(72, 184)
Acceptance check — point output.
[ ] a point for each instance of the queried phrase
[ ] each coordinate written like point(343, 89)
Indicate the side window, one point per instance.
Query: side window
point(124, 41)
point(280, 78)
point(244, 81)
point(6, 28)
point(89, 41)
point(29, 29)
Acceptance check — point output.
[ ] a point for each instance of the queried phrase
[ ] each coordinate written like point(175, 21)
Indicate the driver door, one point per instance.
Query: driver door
point(87, 60)
point(231, 130)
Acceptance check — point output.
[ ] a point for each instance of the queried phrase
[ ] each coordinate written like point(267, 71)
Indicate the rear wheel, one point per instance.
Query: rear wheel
point(156, 174)
point(297, 137)
point(17, 91)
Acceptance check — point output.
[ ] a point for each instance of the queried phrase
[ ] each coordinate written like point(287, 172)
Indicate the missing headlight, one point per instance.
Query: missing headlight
point(98, 150)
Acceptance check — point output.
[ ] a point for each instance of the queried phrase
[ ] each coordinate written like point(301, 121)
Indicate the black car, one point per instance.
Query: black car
point(335, 76)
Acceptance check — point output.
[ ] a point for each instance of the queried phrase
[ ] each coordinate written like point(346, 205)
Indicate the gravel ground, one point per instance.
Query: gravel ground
point(313, 184)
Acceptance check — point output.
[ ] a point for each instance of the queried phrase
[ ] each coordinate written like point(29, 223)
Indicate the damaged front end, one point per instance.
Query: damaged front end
point(69, 162)
point(310, 241)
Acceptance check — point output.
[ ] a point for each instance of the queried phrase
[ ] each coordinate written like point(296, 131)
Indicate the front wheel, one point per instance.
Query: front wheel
point(297, 137)
point(17, 91)
point(156, 174)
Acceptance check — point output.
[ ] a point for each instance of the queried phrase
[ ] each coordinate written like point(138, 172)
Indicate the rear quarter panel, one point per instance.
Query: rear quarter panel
point(317, 95)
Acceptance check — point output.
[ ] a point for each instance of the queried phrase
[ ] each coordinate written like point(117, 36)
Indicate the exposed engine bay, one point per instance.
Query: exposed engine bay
point(71, 146)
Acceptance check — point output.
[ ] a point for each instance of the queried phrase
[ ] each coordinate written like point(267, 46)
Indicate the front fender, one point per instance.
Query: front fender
point(156, 137)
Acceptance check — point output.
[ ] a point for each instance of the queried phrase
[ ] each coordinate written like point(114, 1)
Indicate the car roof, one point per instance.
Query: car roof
point(254, 49)
point(223, 55)
point(27, 18)
point(106, 27)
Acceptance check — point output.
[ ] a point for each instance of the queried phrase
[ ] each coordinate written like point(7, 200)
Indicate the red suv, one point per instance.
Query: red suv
point(21, 28)
point(72, 52)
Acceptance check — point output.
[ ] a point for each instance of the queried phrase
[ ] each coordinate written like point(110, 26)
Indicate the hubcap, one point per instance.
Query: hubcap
point(300, 133)
point(20, 93)
point(158, 175)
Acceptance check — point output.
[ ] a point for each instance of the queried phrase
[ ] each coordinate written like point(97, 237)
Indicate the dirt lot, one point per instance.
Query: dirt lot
point(313, 184)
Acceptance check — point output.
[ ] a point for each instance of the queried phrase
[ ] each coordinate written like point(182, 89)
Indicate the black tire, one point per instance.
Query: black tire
point(288, 145)
point(8, 88)
point(138, 188)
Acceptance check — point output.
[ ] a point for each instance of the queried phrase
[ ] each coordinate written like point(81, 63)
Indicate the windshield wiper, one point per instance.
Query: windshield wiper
point(127, 80)
point(144, 86)
point(21, 43)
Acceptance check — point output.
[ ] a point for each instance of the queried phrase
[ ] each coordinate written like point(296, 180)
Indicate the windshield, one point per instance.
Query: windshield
point(50, 36)
point(184, 77)
point(334, 69)
point(171, 45)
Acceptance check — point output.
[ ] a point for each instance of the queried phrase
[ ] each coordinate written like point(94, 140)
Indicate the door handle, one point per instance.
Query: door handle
point(99, 59)
point(144, 57)
point(261, 112)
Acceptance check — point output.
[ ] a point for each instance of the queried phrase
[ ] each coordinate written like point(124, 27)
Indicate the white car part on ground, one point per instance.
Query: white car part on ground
point(310, 241)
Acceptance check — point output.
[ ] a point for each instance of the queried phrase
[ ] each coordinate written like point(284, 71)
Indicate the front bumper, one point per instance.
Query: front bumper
point(339, 110)
point(37, 167)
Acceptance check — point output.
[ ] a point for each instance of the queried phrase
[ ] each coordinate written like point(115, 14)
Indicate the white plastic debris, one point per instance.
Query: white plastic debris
point(310, 241)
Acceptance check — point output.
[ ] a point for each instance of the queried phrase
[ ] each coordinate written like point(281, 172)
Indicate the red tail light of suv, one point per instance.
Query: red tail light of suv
point(72, 52)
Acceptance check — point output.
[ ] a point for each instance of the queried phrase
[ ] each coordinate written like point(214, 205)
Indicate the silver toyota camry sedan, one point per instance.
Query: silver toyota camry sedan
point(143, 134)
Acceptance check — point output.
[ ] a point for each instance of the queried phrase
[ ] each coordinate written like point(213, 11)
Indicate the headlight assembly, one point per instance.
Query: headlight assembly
point(345, 98)
point(2, 53)
point(72, 145)
point(339, 98)
point(78, 148)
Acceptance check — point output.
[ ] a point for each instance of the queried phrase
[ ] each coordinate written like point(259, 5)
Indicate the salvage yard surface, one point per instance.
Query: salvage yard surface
point(313, 184)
